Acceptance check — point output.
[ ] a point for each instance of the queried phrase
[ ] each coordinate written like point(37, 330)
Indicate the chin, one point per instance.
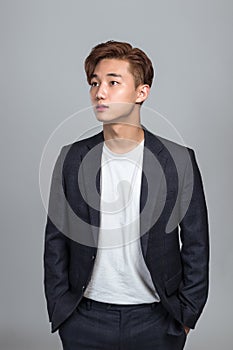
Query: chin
point(102, 117)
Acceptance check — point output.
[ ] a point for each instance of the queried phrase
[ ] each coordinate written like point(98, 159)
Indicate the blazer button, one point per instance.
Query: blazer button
point(83, 288)
point(93, 257)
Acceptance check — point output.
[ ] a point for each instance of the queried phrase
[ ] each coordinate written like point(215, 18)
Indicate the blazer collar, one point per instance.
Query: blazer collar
point(151, 141)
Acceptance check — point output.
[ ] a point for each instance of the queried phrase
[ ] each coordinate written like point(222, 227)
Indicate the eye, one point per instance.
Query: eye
point(94, 84)
point(114, 82)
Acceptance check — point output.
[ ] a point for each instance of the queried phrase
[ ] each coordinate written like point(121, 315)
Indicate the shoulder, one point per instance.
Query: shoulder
point(174, 146)
point(86, 142)
point(168, 147)
point(83, 145)
point(73, 153)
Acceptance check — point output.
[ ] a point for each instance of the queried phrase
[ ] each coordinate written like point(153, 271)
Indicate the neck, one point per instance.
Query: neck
point(122, 137)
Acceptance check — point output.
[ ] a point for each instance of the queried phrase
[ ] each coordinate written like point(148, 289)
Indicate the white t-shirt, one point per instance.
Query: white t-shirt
point(120, 275)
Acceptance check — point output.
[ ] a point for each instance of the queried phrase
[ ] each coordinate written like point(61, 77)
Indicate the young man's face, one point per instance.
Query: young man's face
point(113, 93)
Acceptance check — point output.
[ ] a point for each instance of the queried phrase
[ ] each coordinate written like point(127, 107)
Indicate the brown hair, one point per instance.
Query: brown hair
point(140, 64)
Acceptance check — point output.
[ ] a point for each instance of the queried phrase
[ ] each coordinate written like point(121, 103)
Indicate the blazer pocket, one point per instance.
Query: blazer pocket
point(172, 284)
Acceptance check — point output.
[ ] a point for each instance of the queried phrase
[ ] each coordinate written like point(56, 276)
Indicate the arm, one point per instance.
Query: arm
point(195, 246)
point(56, 253)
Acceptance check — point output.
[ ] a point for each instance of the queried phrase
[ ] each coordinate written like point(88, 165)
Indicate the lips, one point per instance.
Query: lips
point(101, 108)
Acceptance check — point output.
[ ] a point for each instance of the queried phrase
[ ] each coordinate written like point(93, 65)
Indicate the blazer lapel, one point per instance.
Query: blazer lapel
point(152, 186)
point(91, 166)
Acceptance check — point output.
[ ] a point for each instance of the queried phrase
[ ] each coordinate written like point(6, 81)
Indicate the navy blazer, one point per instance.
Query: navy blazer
point(173, 227)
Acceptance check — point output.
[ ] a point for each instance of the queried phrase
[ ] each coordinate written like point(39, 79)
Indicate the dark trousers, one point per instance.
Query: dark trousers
point(102, 326)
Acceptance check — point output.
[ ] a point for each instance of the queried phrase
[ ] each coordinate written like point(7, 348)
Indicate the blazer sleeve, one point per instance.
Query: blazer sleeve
point(56, 252)
point(195, 245)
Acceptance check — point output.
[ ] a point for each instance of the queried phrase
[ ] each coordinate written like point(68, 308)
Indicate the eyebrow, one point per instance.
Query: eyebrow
point(108, 75)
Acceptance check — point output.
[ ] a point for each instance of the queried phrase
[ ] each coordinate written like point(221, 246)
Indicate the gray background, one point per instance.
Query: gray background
point(43, 45)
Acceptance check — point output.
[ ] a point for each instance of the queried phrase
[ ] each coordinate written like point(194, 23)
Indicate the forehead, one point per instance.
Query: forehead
point(112, 65)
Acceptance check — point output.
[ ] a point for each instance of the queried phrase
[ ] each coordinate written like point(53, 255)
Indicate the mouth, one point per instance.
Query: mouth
point(101, 108)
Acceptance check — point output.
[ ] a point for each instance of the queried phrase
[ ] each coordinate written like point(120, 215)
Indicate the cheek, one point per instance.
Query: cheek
point(125, 95)
point(92, 96)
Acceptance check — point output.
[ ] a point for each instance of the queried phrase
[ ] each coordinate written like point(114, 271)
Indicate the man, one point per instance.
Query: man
point(126, 245)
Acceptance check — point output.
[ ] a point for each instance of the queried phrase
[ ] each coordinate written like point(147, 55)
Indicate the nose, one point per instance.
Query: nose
point(101, 93)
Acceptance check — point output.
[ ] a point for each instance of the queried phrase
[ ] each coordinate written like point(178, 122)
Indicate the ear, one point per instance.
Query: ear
point(142, 93)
